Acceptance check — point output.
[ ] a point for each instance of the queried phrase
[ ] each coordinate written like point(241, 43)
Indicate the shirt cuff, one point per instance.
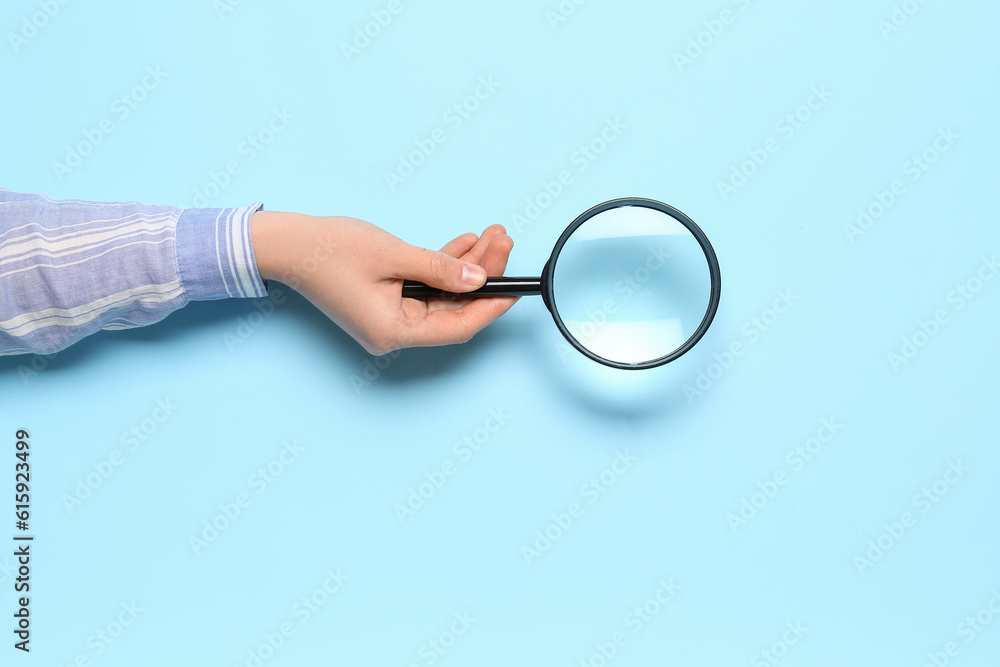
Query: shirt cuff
point(215, 257)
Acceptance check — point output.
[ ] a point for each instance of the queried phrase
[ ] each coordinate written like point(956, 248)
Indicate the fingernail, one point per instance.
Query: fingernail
point(473, 275)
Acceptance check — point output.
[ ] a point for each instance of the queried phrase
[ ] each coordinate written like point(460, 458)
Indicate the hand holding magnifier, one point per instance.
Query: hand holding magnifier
point(631, 283)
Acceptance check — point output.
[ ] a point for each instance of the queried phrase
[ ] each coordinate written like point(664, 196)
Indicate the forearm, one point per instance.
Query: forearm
point(69, 268)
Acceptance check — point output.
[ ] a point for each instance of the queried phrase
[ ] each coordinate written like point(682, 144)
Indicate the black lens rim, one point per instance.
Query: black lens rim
point(713, 265)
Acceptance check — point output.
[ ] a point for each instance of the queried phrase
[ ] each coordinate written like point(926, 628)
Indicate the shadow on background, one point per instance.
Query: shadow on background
point(653, 394)
point(188, 322)
point(624, 395)
point(192, 325)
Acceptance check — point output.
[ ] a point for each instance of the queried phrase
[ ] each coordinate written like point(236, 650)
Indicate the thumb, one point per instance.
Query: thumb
point(439, 270)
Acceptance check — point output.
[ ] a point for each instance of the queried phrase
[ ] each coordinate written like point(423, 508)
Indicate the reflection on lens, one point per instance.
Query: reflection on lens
point(629, 342)
point(632, 284)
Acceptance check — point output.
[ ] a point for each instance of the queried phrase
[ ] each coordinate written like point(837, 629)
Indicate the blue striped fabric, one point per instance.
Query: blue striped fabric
point(69, 268)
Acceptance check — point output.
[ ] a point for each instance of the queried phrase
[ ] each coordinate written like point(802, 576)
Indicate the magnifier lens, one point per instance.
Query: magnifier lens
point(632, 284)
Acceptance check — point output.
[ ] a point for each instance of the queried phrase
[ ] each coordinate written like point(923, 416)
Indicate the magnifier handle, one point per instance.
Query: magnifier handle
point(496, 286)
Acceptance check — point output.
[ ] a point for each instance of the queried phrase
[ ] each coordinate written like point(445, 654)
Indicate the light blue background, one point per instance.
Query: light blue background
point(697, 457)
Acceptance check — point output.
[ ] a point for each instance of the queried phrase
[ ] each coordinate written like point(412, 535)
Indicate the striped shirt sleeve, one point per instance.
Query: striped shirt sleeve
point(69, 268)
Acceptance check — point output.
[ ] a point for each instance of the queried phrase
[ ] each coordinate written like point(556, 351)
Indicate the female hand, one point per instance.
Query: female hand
point(353, 272)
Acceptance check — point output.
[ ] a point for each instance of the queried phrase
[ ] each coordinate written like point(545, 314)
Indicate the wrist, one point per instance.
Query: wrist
point(268, 231)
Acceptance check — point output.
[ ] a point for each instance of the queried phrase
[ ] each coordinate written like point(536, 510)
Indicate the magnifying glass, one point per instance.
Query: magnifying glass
point(631, 283)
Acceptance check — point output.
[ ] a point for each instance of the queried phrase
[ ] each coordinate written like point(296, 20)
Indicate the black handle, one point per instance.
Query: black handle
point(498, 286)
